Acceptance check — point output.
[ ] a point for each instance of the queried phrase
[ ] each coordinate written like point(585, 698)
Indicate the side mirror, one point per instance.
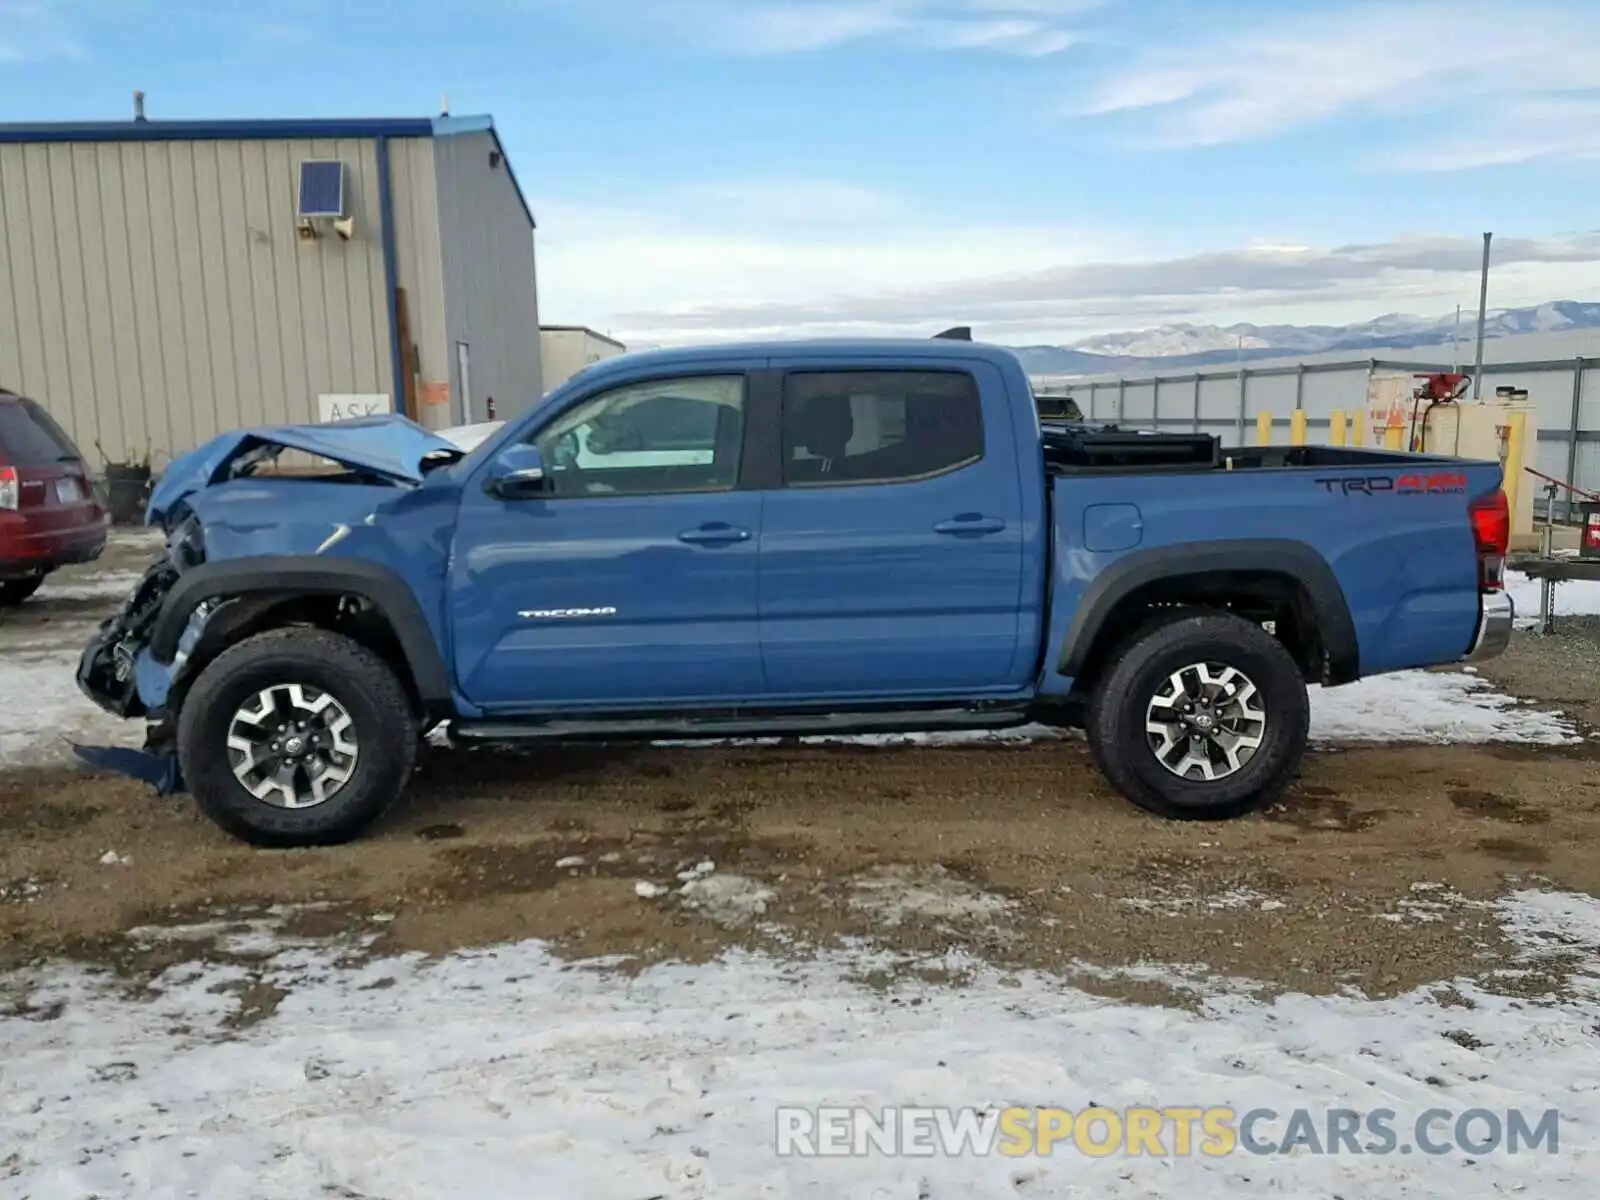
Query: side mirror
point(517, 474)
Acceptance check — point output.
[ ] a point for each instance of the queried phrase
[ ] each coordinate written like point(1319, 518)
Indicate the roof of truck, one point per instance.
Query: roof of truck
point(826, 348)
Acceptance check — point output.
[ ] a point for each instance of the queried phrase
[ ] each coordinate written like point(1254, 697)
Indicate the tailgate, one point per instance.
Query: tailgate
point(55, 499)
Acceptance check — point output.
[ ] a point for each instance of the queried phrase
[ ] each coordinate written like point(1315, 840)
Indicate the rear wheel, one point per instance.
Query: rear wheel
point(296, 737)
point(1202, 717)
point(15, 591)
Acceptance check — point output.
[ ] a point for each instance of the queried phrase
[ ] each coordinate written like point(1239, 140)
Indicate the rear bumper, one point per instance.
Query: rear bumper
point(25, 552)
point(1496, 615)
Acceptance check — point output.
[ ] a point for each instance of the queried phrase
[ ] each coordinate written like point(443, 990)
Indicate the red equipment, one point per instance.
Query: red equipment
point(1443, 387)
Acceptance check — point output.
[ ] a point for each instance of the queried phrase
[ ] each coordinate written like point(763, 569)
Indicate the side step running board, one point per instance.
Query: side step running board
point(798, 724)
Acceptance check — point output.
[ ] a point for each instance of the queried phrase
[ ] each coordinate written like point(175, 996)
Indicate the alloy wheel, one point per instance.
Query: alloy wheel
point(292, 746)
point(1206, 721)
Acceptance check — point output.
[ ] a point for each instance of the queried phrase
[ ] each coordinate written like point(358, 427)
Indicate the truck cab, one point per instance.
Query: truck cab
point(781, 538)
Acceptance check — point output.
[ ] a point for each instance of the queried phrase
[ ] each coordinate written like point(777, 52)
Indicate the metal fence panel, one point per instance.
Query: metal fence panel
point(1589, 402)
point(1212, 398)
point(1139, 403)
point(1219, 399)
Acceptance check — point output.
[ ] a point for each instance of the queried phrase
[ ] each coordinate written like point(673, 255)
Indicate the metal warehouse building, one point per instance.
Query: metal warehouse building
point(163, 281)
point(568, 349)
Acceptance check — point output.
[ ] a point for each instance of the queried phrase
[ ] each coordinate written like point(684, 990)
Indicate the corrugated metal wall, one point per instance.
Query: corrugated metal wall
point(153, 294)
point(420, 269)
point(490, 286)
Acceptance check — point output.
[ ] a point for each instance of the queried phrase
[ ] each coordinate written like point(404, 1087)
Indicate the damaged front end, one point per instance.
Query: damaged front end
point(116, 675)
point(108, 669)
point(222, 493)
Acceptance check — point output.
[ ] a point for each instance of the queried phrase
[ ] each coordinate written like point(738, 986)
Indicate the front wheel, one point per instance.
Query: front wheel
point(296, 737)
point(1203, 717)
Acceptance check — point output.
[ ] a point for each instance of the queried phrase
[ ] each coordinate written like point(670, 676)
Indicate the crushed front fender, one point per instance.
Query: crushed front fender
point(107, 668)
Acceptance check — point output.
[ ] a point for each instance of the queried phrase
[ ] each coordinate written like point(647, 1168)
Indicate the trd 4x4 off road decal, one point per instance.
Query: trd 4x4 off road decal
point(1432, 484)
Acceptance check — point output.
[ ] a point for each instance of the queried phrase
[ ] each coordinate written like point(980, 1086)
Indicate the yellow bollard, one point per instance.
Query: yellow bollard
point(1297, 428)
point(1336, 431)
point(1263, 429)
point(1512, 483)
point(1358, 429)
point(1394, 438)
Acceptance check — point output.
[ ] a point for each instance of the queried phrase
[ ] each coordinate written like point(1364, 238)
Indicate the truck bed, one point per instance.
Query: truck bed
point(1073, 449)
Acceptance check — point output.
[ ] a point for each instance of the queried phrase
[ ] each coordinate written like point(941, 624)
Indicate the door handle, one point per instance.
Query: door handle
point(716, 533)
point(970, 523)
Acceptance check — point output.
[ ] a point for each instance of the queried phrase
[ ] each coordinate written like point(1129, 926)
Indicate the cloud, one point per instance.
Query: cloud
point(33, 30)
point(866, 264)
point(1033, 28)
point(737, 244)
point(1524, 130)
point(1457, 63)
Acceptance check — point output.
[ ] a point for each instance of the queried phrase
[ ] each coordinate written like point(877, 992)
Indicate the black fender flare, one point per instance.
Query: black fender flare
point(291, 575)
point(1276, 556)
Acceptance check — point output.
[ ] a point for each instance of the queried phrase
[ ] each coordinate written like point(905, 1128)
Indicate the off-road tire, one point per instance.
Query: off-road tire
point(384, 724)
point(1154, 620)
point(1118, 709)
point(15, 591)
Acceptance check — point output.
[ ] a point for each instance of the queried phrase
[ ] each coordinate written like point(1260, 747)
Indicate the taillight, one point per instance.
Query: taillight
point(8, 487)
point(1491, 530)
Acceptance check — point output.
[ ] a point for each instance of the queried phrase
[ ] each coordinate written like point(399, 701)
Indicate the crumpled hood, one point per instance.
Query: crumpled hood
point(388, 444)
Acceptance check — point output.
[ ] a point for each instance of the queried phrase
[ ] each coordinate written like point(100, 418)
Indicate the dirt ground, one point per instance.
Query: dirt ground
point(1372, 874)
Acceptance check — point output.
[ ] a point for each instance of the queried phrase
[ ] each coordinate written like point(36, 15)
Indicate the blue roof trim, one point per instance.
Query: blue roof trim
point(446, 126)
point(167, 131)
point(313, 127)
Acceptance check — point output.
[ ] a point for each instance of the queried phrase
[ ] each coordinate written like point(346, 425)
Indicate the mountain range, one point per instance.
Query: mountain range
point(1202, 345)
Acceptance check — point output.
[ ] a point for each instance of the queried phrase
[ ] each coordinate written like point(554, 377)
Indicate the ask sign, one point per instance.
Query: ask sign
point(343, 407)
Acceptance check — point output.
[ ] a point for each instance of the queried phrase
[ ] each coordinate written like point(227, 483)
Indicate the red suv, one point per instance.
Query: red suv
point(48, 513)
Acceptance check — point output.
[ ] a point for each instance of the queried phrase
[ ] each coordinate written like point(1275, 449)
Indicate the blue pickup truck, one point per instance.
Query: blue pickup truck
point(778, 539)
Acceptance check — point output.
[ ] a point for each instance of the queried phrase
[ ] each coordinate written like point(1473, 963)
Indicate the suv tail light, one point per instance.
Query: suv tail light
point(1491, 530)
point(9, 492)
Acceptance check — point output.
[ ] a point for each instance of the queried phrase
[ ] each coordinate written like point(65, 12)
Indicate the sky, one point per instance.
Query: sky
point(1043, 170)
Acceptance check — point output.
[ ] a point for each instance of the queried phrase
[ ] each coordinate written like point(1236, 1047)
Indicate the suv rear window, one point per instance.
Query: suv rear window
point(29, 437)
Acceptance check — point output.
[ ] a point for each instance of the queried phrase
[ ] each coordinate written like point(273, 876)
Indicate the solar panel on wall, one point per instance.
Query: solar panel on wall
point(322, 188)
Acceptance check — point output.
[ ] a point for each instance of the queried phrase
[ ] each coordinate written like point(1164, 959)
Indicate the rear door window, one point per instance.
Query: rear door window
point(854, 427)
point(30, 438)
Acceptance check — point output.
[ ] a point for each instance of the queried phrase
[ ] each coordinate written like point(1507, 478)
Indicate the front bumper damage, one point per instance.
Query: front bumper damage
point(108, 666)
point(109, 672)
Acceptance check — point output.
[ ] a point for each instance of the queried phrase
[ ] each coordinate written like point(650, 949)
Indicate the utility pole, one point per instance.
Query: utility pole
point(1483, 316)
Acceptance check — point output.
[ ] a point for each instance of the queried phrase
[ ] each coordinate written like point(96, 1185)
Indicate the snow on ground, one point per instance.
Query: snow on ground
point(110, 586)
point(1573, 598)
point(42, 711)
point(1406, 706)
point(506, 1073)
point(1431, 706)
point(895, 893)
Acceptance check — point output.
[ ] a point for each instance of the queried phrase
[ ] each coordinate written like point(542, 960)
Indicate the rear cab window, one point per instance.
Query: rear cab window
point(29, 437)
point(875, 427)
